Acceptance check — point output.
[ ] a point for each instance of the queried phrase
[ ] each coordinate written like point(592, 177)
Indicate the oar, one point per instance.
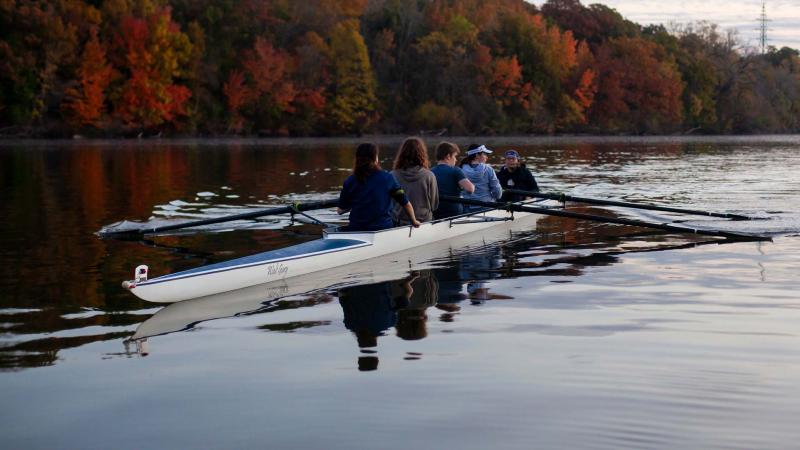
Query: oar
point(591, 217)
point(599, 201)
point(297, 207)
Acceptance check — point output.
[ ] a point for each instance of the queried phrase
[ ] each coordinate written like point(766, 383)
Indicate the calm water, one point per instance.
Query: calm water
point(571, 335)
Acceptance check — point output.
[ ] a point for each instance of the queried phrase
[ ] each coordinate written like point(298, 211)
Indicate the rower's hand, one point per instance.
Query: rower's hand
point(341, 211)
point(415, 223)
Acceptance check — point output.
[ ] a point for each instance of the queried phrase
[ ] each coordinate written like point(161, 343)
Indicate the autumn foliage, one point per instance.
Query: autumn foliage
point(153, 52)
point(639, 85)
point(84, 104)
point(332, 67)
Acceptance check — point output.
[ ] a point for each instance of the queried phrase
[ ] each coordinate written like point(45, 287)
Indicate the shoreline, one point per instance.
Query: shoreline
point(398, 138)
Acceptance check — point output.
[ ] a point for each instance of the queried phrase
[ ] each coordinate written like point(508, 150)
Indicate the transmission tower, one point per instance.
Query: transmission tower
point(762, 28)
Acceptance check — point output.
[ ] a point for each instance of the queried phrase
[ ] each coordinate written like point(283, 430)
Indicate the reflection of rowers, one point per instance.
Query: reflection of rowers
point(412, 320)
point(478, 292)
point(370, 310)
point(471, 269)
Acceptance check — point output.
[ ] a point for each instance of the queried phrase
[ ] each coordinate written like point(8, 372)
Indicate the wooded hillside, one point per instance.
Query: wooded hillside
point(339, 67)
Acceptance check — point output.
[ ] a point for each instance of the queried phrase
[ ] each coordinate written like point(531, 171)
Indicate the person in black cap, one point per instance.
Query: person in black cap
point(514, 175)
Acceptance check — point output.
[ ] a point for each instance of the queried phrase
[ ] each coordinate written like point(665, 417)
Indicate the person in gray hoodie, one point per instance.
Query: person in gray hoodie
point(411, 171)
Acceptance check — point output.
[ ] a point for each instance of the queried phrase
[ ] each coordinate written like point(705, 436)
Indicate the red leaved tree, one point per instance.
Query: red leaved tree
point(154, 55)
point(639, 87)
point(238, 95)
point(268, 88)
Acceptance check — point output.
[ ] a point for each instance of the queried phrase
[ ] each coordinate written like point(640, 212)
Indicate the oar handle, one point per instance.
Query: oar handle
point(600, 201)
point(594, 218)
point(243, 216)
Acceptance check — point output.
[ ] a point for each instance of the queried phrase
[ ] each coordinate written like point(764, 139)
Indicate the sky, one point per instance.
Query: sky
point(742, 15)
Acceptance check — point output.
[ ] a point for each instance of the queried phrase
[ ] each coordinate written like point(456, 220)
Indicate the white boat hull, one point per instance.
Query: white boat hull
point(333, 250)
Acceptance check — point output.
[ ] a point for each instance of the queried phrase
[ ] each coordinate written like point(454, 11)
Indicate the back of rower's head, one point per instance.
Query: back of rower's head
point(366, 161)
point(413, 152)
point(467, 159)
point(445, 149)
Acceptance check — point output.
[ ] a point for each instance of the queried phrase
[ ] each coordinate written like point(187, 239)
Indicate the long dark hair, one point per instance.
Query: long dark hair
point(412, 153)
point(469, 158)
point(366, 161)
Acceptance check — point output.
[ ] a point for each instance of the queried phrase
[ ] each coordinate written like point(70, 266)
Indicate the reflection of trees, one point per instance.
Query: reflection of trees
point(54, 199)
point(44, 352)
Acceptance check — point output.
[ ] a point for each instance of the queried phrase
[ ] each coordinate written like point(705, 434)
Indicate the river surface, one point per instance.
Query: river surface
point(573, 334)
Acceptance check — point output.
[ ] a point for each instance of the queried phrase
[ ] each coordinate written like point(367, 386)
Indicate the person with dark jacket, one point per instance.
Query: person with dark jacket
point(450, 180)
point(514, 175)
point(368, 194)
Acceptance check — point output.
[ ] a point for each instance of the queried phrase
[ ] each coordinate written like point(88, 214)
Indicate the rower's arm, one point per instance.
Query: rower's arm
point(344, 197)
point(410, 211)
point(494, 185)
point(466, 185)
point(534, 186)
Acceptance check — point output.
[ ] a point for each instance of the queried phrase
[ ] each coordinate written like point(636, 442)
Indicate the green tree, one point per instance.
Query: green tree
point(353, 108)
point(38, 54)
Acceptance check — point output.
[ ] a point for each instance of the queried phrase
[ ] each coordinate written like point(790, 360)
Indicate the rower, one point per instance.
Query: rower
point(514, 175)
point(450, 179)
point(487, 186)
point(368, 193)
point(412, 172)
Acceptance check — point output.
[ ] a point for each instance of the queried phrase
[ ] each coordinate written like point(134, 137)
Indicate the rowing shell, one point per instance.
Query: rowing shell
point(189, 313)
point(334, 249)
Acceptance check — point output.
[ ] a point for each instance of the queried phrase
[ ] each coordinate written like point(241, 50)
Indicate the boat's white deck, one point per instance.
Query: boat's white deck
point(316, 247)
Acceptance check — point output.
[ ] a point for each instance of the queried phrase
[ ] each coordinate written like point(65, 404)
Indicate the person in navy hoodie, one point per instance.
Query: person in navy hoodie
point(368, 194)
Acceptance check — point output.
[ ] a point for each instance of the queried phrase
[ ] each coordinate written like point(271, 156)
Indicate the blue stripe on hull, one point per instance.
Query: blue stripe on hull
point(282, 254)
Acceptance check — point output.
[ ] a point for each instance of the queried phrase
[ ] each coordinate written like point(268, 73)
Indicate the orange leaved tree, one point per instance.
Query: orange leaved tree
point(84, 104)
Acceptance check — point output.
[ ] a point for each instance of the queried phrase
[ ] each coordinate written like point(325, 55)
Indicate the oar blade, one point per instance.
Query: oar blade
point(125, 230)
point(604, 202)
point(603, 219)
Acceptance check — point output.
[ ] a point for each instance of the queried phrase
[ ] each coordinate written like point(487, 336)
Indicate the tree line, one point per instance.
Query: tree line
point(343, 67)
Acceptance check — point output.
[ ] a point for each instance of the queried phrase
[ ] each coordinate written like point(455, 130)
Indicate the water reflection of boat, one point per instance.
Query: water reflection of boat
point(185, 314)
point(335, 247)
